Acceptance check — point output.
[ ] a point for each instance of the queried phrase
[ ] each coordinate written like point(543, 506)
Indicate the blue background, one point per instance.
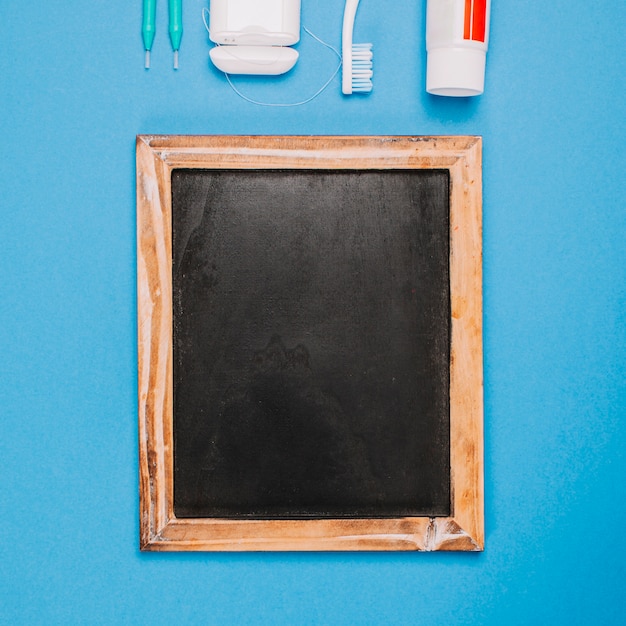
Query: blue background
point(73, 95)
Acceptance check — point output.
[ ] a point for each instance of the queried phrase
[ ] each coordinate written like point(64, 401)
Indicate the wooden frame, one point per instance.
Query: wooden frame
point(160, 530)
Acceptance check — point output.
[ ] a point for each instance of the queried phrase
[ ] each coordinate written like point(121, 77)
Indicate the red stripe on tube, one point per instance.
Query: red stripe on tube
point(467, 32)
point(479, 20)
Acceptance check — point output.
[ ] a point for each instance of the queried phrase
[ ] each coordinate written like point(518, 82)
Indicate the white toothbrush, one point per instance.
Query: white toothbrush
point(357, 58)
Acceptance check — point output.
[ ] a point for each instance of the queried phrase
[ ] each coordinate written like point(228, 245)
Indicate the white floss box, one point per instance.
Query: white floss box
point(253, 35)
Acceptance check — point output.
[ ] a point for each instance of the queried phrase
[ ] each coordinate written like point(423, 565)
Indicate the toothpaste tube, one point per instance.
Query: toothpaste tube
point(457, 35)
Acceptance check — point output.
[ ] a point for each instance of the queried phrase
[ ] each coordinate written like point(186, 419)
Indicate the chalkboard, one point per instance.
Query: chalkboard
point(303, 307)
point(311, 343)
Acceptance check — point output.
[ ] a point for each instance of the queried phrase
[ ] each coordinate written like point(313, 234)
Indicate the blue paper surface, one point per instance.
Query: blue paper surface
point(73, 95)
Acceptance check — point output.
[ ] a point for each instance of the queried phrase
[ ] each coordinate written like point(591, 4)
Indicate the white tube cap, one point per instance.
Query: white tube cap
point(455, 71)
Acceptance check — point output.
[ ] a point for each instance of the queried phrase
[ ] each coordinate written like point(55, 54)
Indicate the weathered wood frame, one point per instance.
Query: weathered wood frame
point(157, 156)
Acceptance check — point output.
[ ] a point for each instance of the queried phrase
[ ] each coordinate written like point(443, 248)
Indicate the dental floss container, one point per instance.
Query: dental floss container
point(254, 36)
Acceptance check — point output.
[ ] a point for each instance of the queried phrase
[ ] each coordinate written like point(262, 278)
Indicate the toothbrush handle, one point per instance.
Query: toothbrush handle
point(349, 14)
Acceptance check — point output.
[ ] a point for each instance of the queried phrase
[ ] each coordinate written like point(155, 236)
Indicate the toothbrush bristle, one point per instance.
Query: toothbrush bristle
point(362, 67)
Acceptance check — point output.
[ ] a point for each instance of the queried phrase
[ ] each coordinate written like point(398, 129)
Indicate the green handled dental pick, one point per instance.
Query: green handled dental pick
point(148, 28)
point(176, 27)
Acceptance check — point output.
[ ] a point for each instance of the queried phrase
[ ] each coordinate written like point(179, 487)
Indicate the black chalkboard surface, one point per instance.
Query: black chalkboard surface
point(311, 343)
